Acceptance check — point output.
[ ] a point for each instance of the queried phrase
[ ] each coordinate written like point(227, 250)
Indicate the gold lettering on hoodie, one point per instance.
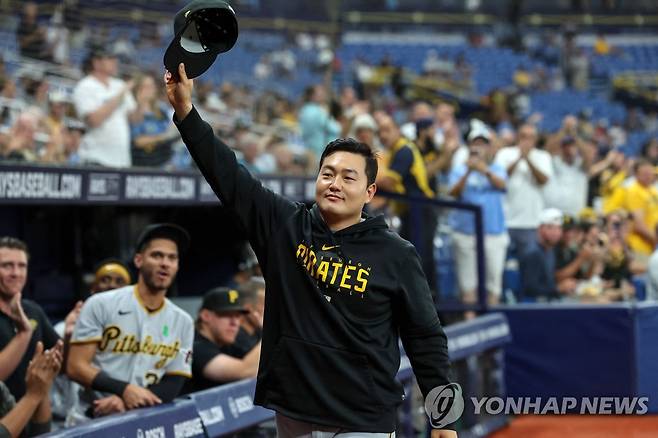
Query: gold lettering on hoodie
point(347, 277)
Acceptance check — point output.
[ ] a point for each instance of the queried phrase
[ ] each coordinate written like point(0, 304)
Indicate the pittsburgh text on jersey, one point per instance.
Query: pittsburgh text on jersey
point(116, 343)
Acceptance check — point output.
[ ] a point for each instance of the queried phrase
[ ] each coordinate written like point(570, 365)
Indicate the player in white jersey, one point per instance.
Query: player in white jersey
point(132, 347)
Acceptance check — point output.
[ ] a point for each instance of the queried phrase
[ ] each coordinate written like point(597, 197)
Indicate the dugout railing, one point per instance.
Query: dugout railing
point(229, 408)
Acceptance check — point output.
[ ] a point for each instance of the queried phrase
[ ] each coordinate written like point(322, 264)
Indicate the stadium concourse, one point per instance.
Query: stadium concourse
point(517, 146)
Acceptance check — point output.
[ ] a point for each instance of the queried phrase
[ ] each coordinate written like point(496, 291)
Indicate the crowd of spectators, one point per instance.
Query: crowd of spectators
point(113, 116)
point(577, 214)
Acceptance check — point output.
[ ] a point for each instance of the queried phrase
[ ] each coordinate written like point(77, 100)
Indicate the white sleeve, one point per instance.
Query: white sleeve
point(460, 157)
point(85, 100)
point(181, 365)
point(502, 158)
point(129, 102)
point(544, 163)
point(90, 323)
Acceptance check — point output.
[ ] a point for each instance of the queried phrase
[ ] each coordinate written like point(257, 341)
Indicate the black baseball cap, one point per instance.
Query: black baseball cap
point(223, 299)
point(167, 231)
point(423, 124)
point(96, 52)
point(203, 29)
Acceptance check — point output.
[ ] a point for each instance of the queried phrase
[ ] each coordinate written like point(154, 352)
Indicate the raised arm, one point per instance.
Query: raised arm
point(11, 355)
point(259, 209)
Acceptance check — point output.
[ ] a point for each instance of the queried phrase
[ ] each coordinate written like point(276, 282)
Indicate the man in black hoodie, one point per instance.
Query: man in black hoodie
point(341, 289)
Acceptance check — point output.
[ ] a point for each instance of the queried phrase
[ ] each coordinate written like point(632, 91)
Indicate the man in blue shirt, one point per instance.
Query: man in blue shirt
point(481, 182)
point(537, 263)
point(317, 125)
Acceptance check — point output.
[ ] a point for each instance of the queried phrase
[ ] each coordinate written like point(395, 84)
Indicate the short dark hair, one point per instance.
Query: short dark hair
point(14, 243)
point(641, 162)
point(355, 147)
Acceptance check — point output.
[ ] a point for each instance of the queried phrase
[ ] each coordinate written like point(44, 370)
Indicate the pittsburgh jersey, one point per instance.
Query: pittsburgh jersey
point(135, 344)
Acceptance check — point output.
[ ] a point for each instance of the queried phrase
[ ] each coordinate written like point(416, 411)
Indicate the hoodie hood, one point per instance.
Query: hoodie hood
point(370, 223)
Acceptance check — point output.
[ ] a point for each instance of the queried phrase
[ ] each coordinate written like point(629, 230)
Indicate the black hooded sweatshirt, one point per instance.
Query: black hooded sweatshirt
point(336, 303)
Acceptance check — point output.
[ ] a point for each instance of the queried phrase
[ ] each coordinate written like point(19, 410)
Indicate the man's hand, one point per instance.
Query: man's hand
point(586, 252)
point(43, 369)
point(179, 92)
point(525, 150)
point(71, 318)
point(108, 405)
point(18, 315)
point(567, 286)
point(255, 318)
point(443, 433)
point(136, 397)
point(481, 166)
point(472, 163)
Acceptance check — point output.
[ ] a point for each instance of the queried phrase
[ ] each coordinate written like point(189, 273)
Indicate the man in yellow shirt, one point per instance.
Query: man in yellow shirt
point(641, 201)
point(405, 173)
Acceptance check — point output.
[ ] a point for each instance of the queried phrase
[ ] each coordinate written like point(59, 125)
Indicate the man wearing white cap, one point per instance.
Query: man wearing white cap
point(537, 263)
point(364, 129)
point(482, 183)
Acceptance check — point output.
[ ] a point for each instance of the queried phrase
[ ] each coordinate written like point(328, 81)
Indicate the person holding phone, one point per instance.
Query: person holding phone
point(480, 182)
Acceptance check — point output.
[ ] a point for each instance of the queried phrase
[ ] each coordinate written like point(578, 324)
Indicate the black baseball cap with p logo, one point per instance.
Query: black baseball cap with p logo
point(203, 29)
point(223, 299)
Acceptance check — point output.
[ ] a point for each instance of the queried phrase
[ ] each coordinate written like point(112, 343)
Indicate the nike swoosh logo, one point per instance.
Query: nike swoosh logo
point(327, 248)
point(122, 312)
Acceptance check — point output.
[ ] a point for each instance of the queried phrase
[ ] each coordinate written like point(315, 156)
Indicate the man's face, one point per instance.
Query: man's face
point(645, 175)
point(527, 136)
point(223, 326)
point(551, 234)
point(425, 133)
point(421, 111)
point(573, 237)
point(388, 132)
point(444, 113)
point(107, 65)
point(13, 272)
point(365, 135)
point(480, 148)
point(341, 188)
point(158, 263)
point(109, 281)
point(319, 94)
point(569, 152)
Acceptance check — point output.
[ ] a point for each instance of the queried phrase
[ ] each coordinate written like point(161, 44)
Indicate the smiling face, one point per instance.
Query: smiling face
point(158, 264)
point(342, 189)
point(13, 272)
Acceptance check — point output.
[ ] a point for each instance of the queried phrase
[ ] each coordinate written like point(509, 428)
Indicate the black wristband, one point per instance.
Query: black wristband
point(103, 382)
